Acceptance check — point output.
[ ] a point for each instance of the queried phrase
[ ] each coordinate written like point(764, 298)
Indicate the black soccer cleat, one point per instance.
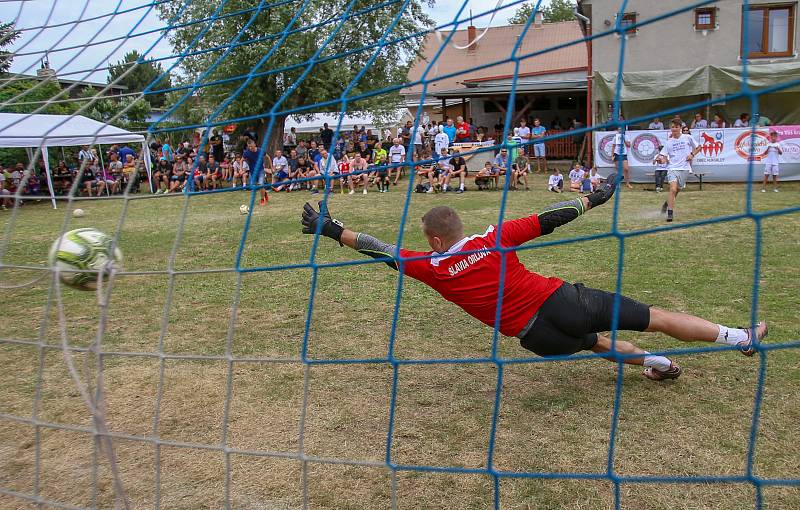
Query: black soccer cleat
point(669, 215)
point(604, 192)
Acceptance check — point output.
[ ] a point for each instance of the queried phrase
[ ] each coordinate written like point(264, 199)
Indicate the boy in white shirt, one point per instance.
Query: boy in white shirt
point(397, 154)
point(575, 177)
point(679, 150)
point(556, 181)
point(774, 150)
point(661, 170)
point(440, 141)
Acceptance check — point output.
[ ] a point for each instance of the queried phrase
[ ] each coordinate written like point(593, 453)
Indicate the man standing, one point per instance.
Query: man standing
point(538, 132)
point(524, 133)
point(656, 124)
point(462, 130)
point(217, 149)
point(326, 135)
point(679, 150)
point(450, 131)
point(397, 154)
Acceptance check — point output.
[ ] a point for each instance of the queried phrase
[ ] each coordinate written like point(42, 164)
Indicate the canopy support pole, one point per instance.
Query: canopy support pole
point(147, 164)
point(46, 158)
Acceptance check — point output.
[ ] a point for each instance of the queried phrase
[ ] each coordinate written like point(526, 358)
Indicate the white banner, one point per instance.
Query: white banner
point(725, 154)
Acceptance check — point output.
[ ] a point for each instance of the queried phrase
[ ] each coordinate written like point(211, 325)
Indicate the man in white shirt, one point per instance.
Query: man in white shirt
point(656, 124)
point(280, 168)
point(679, 150)
point(397, 154)
point(620, 153)
point(441, 141)
point(743, 121)
point(327, 166)
point(524, 132)
point(774, 150)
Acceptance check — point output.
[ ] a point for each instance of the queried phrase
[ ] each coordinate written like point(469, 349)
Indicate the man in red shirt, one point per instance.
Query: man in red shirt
point(549, 316)
point(462, 130)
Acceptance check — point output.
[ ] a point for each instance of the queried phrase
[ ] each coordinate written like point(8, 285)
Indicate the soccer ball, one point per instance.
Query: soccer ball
point(77, 213)
point(244, 209)
point(83, 249)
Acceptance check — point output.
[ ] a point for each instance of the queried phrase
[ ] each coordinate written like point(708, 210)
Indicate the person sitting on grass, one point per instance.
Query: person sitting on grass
point(549, 316)
point(576, 177)
point(594, 178)
point(556, 181)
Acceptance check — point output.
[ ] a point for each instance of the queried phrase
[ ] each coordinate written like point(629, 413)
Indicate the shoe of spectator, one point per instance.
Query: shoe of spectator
point(459, 191)
point(430, 190)
point(775, 190)
point(763, 190)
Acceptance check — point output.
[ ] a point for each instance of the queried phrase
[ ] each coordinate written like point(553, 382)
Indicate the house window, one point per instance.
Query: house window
point(705, 19)
point(628, 19)
point(770, 31)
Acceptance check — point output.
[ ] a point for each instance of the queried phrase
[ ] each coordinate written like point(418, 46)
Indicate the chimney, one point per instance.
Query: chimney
point(471, 33)
point(538, 19)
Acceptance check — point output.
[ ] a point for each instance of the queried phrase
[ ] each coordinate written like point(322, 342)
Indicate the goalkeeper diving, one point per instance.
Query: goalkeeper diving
point(550, 316)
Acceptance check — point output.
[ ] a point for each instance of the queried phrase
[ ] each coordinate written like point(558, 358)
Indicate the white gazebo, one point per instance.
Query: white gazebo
point(315, 122)
point(43, 131)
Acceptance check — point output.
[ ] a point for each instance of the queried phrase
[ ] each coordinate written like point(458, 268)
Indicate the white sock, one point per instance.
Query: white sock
point(462, 186)
point(731, 336)
point(657, 362)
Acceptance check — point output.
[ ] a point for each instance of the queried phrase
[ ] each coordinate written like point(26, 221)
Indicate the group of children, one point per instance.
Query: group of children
point(581, 179)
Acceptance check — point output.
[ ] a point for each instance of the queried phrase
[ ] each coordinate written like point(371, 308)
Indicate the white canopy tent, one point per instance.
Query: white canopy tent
point(43, 131)
point(314, 124)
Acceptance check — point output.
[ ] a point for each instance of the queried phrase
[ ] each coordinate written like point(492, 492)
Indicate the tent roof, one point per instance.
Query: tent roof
point(35, 130)
point(314, 124)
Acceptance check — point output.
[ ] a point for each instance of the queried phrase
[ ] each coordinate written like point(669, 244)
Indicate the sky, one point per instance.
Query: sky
point(110, 28)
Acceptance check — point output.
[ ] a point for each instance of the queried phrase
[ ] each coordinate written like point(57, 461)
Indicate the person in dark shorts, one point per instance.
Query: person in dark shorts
point(549, 316)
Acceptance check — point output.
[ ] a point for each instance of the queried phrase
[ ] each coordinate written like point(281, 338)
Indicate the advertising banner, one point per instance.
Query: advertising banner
point(725, 154)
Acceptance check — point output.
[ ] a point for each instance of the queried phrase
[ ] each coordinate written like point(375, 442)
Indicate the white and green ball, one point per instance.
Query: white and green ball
point(243, 209)
point(83, 249)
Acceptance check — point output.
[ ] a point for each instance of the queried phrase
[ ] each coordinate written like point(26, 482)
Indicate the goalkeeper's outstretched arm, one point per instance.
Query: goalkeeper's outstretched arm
point(329, 227)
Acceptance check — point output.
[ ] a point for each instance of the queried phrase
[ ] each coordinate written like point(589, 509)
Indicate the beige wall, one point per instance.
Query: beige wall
point(673, 43)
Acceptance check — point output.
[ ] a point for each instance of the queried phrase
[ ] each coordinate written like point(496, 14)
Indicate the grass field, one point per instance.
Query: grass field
point(555, 416)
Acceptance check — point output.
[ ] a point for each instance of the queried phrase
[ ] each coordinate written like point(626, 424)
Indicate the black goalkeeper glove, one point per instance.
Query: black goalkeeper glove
point(604, 192)
point(330, 227)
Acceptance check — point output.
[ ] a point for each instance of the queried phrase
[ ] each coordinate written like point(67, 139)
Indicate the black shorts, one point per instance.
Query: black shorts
point(383, 172)
point(571, 317)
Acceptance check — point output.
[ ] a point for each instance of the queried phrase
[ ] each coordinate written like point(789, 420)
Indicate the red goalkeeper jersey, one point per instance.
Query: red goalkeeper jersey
point(472, 281)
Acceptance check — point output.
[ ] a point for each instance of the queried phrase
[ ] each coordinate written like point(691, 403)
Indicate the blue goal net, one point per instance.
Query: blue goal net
point(204, 94)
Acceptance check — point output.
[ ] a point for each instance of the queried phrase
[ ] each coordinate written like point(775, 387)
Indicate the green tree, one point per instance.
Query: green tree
point(138, 76)
point(326, 80)
point(556, 10)
point(34, 94)
point(104, 108)
point(8, 35)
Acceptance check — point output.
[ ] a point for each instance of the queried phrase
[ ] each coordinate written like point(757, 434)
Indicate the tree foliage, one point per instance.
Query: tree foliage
point(8, 34)
point(35, 94)
point(556, 10)
point(104, 108)
point(326, 80)
point(138, 76)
